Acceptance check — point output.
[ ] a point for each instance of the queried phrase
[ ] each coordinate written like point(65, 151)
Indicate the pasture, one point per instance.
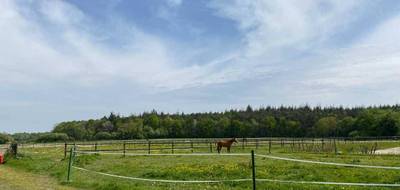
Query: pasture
point(118, 164)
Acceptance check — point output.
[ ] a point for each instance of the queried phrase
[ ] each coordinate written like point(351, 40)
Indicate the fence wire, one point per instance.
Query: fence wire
point(240, 180)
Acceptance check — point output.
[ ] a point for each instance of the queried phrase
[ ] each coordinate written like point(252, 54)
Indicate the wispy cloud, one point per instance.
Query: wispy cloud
point(370, 62)
point(61, 38)
point(56, 54)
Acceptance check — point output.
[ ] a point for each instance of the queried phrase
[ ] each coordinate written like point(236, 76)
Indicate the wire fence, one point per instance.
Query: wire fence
point(73, 152)
point(240, 180)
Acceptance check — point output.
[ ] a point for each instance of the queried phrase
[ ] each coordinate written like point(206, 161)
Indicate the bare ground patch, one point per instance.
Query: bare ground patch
point(395, 150)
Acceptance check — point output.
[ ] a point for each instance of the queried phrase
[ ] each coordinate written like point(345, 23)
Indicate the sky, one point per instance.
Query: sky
point(75, 60)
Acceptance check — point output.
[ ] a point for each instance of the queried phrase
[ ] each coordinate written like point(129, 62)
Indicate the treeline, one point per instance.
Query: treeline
point(282, 121)
point(5, 138)
point(42, 137)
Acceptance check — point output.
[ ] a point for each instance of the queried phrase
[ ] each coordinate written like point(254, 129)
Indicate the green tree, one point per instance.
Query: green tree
point(388, 125)
point(325, 127)
point(346, 126)
point(267, 127)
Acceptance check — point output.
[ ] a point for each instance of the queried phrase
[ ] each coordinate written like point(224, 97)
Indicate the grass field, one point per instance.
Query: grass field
point(49, 162)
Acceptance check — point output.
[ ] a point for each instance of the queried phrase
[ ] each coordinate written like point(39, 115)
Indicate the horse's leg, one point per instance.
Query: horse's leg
point(219, 149)
point(229, 149)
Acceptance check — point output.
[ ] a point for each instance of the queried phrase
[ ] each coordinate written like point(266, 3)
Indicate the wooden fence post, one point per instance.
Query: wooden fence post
point(269, 146)
point(191, 145)
point(65, 150)
point(148, 147)
point(334, 142)
point(242, 143)
point(211, 148)
point(256, 143)
point(292, 144)
point(172, 147)
point(14, 149)
point(95, 146)
point(124, 146)
point(253, 169)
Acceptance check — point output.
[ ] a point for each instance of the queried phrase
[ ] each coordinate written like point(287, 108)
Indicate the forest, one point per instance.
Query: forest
point(284, 121)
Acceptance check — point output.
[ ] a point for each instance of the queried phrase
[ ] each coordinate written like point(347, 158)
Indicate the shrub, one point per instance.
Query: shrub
point(5, 138)
point(52, 137)
point(103, 136)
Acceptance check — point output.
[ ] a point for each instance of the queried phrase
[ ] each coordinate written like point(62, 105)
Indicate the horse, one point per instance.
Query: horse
point(225, 143)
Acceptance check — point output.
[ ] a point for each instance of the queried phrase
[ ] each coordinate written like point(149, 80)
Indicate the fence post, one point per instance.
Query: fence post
point(95, 146)
point(253, 168)
point(256, 143)
point(124, 148)
point(334, 142)
point(65, 150)
point(292, 144)
point(211, 147)
point(242, 143)
point(191, 145)
point(14, 149)
point(172, 147)
point(148, 147)
point(269, 146)
point(70, 163)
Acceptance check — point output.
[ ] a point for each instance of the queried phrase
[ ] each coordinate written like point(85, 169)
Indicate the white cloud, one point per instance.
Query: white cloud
point(274, 30)
point(371, 62)
point(273, 24)
point(174, 3)
point(58, 43)
point(126, 67)
point(74, 54)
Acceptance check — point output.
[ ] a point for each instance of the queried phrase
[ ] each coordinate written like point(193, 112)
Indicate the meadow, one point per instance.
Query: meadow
point(50, 161)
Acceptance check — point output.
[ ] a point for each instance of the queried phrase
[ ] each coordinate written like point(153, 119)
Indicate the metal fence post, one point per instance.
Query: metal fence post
point(70, 164)
point(253, 168)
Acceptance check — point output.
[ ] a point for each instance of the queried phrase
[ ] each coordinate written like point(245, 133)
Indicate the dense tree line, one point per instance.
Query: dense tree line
point(281, 121)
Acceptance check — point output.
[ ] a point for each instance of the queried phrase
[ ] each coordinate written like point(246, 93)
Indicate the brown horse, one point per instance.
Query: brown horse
point(225, 143)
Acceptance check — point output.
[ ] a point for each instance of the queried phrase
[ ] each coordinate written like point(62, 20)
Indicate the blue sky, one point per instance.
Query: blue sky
point(74, 60)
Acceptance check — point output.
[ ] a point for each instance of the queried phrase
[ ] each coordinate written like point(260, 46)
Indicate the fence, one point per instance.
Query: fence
point(253, 178)
point(332, 145)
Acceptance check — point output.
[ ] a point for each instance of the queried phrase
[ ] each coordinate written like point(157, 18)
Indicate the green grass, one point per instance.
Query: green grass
point(50, 161)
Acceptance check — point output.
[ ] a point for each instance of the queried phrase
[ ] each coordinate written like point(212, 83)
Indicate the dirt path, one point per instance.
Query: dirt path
point(11, 179)
point(389, 151)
